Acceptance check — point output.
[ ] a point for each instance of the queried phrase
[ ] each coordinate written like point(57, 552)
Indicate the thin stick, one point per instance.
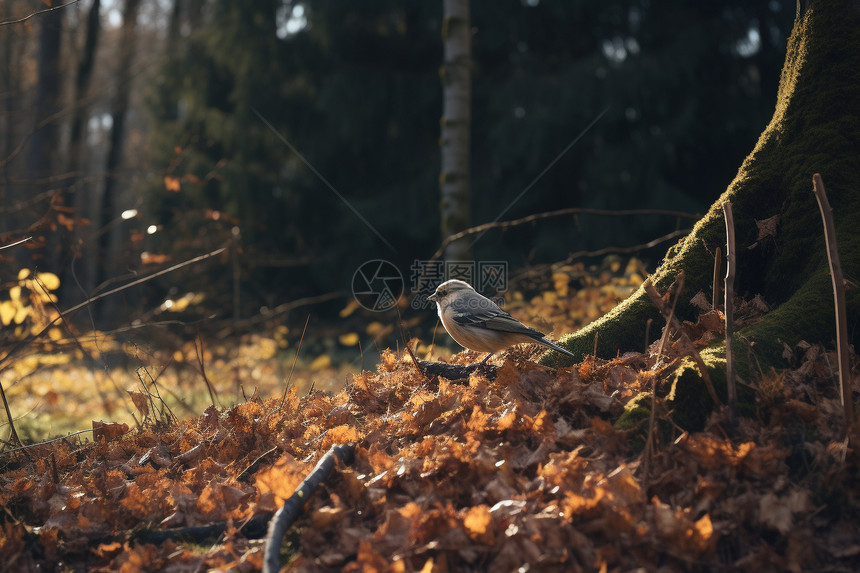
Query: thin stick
point(540, 269)
point(647, 332)
point(558, 213)
point(406, 344)
point(293, 367)
point(13, 434)
point(200, 351)
point(27, 17)
point(731, 387)
point(684, 341)
point(718, 265)
point(15, 349)
point(839, 299)
point(652, 417)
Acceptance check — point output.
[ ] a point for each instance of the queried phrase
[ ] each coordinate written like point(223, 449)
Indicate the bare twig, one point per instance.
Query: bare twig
point(406, 344)
point(715, 291)
point(288, 306)
point(539, 269)
point(839, 299)
point(652, 417)
point(293, 367)
point(18, 242)
point(13, 433)
point(731, 387)
point(17, 348)
point(52, 440)
point(647, 332)
point(292, 508)
point(686, 344)
point(27, 17)
point(558, 213)
point(200, 351)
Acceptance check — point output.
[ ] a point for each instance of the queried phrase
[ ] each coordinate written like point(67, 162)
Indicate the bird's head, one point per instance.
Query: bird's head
point(450, 290)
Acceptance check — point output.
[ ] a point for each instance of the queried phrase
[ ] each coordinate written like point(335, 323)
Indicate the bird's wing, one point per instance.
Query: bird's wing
point(492, 319)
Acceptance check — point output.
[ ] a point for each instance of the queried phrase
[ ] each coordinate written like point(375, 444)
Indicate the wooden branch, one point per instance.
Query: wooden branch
point(839, 299)
point(253, 528)
point(15, 349)
point(455, 372)
point(558, 213)
point(731, 387)
point(715, 291)
point(539, 269)
point(652, 417)
point(292, 508)
point(28, 16)
point(687, 345)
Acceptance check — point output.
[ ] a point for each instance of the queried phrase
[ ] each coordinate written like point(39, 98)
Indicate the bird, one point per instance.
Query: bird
point(477, 323)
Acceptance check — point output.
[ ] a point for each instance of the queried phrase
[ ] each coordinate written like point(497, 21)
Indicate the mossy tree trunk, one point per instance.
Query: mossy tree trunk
point(815, 129)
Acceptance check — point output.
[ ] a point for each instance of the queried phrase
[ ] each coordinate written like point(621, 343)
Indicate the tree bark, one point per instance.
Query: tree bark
point(42, 151)
point(111, 238)
point(456, 124)
point(815, 128)
point(76, 158)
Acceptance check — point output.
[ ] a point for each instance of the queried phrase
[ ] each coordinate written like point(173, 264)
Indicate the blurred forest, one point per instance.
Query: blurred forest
point(137, 134)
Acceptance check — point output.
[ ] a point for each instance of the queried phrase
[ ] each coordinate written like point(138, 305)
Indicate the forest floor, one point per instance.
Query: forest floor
point(520, 470)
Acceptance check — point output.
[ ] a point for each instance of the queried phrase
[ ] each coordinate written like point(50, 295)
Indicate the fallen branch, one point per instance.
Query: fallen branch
point(838, 297)
point(455, 372)
point(731, 388)
point(292, 508)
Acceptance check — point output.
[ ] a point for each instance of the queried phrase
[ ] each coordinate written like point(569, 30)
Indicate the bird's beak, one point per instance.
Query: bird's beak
point(433, 298)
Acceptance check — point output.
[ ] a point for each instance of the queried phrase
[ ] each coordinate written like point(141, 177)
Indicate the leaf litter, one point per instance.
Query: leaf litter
point(525, 472)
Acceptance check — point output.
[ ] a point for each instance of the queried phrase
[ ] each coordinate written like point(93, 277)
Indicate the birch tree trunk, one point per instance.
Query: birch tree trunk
point(456, 125)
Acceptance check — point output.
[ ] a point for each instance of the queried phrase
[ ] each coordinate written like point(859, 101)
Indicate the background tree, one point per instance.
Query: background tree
point(456, 71)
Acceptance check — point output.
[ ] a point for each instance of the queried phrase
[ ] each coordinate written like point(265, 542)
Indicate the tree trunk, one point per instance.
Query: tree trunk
point(815, 129)
point(42, 151)
point(76, 160)
point(111, 237)
point(456, 123)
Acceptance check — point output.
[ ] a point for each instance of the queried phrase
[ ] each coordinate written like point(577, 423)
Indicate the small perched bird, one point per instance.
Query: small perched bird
point(477, 323)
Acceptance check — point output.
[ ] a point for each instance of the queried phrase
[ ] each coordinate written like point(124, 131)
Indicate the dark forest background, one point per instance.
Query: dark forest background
point(131, 136)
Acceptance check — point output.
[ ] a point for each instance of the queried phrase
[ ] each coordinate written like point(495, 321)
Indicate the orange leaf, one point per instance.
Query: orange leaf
point(172, 183)
point(282, 478)
point(108, 431)
point(140, 402)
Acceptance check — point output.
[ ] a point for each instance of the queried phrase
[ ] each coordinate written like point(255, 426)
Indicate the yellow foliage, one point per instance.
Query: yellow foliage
point(349, 308)
point(8, 309)
point(321, 362)
point(348, 339)
point(49, 280)
point(374, 328)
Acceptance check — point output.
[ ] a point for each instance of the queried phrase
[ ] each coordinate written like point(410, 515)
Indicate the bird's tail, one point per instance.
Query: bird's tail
point(555, 347)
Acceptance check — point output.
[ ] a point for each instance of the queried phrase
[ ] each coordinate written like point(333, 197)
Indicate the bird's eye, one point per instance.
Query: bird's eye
point(443, 292)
